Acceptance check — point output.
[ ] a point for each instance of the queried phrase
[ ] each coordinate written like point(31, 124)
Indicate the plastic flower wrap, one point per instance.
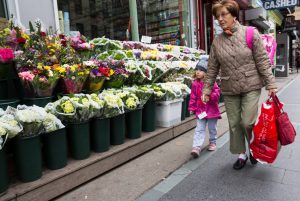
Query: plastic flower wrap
point(143, 93)
point(82, 104)
point(158, 92)
point(130, 100)
point(63, 108)
point(140, 72)
point(103, 44)
point(51, 123)
point(113, 104)
point(173, 91)
point(31, 118)
point(9, 127)
point(97, 105)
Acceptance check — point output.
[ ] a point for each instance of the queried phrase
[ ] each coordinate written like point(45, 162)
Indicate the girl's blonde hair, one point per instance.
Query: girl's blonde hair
point(195, 76)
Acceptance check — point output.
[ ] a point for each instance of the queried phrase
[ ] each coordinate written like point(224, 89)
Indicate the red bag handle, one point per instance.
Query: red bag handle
point(276, 103)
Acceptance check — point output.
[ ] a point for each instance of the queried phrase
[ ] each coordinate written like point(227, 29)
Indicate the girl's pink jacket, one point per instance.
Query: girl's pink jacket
point(211, 107)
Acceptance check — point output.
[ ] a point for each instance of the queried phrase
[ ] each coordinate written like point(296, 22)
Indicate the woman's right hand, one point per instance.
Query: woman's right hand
point(205, 98)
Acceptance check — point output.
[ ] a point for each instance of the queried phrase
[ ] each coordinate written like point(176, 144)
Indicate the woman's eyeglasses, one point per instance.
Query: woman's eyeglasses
point(223, 15)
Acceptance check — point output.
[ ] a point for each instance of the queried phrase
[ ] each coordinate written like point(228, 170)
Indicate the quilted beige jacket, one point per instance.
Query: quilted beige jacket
point(241, 69)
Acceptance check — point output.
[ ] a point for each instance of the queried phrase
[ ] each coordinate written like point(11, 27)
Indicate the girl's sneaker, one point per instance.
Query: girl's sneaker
point(212, 147)
point(196, 152)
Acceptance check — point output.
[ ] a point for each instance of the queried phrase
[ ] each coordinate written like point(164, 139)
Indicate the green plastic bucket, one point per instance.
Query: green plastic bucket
point(5, 69)
point(42, 101)
point(187, 113)
point(79, 140)
point(183, 109)
point(28, 158)
point(100, 135)
point(4, 181)
point(55, 149)
point(148, 117)
point(134, 124)
point(117, 130)
point(3, 89)
point(11, 102)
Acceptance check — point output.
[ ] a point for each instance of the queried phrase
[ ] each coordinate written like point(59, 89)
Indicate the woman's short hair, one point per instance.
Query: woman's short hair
point(231, 5)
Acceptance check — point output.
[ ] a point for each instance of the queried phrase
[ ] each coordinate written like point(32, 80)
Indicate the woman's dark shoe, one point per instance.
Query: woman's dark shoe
point(240, 163)
point(253, 160)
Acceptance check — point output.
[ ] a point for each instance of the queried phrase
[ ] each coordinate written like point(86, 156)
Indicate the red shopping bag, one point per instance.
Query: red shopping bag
point(264, 142)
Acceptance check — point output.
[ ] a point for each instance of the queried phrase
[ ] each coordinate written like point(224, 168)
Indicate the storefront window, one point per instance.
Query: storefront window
point(96, 18)
point(166, 21)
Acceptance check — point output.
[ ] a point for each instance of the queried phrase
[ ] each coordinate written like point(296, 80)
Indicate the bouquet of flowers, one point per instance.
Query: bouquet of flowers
point(39, 81)
point(105, 44)
point(143, 93)
point(130, 100)
point(9, 127)
point(83, 107)
point(6, 57)
point(172, 91)
point(158, 92)
point(97, 105)
point(31, 118)
point(140, 72)
point(63, 108)
point(98, 74)
point(51, 123)
point(117, 79)
point(113, 104)
point(73, 76)
point(80, 44)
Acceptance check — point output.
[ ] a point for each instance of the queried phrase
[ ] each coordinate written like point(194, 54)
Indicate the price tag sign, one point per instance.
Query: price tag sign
point(146, 39)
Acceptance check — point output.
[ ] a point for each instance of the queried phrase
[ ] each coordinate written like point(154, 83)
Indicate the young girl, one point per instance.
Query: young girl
point(207, 113)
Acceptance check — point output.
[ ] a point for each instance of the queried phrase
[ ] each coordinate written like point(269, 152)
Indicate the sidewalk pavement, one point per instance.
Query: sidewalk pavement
point(212, 177)
point(131, 180)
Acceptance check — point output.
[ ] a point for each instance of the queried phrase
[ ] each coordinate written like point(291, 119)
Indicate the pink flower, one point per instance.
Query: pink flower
point(26, 75)
point(6, 55)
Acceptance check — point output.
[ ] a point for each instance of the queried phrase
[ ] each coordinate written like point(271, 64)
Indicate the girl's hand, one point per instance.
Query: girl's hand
point(205, 98)
point(272, 91)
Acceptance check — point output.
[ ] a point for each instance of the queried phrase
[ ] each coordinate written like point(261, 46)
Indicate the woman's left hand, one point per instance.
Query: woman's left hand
point(272, 91)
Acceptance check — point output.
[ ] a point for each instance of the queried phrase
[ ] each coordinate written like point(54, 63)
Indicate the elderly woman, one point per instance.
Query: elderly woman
point(243, 73)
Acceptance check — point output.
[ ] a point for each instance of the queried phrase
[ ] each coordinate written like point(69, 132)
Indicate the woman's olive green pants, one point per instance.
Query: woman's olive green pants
point(241, 112)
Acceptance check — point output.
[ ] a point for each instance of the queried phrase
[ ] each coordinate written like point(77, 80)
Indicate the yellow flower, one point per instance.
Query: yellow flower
point(72, 68)
point(130, 102)
point(40, 66)
point(68, 107)
point(47, 67)
point(85, 101)
point(81, 73)
point(111, 72)
point(2, 131)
